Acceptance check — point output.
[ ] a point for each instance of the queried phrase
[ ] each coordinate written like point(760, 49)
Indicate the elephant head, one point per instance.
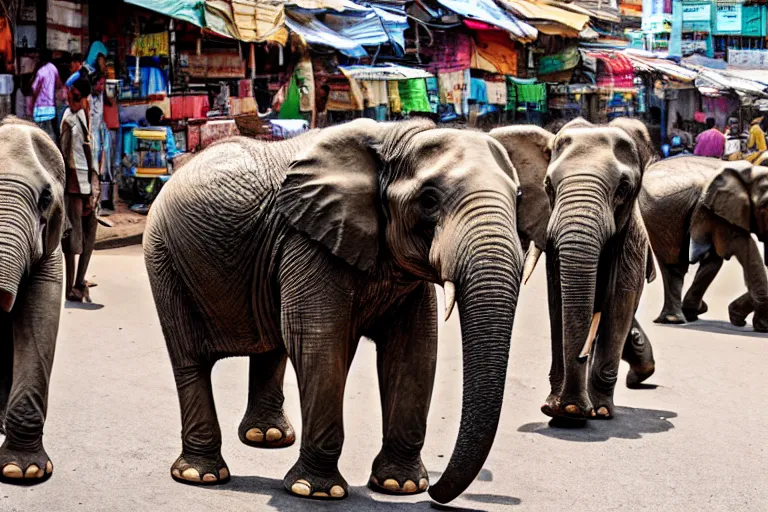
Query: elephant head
point(738, 194)
point(436, 205)
point(32, 215)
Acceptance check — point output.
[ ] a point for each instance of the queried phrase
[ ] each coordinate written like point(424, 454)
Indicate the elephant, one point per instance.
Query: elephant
point(703, 210)
point(597, 256)
point(529, 149)
point(32, 222)
point(297, 249)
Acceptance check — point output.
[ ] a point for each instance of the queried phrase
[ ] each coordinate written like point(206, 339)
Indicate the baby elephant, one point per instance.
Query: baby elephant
point(703, 210)
point(31, 226)
point(297, 249)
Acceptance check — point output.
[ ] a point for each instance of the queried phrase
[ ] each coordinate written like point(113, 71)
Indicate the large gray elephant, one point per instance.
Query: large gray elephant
point(530, 150)
point(297, 249)
point(597, 258)
point(31, 226)
point(703, 210)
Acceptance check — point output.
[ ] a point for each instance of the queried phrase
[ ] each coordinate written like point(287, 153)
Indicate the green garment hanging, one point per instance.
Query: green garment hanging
point(290, 107)
point(413, 95)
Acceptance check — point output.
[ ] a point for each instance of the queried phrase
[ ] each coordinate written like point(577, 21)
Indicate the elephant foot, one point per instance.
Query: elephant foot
point(692, 314)
point(301, 482)
point(197, 470)
point(674, 318)
point(266, 429)
point(391, 477)
point(603, 406)
point(24, 468)
point(639, 373)
point(571, 407)
point(79, 293)
point(737, 318)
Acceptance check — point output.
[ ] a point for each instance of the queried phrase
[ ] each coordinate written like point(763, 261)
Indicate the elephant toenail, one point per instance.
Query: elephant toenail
point(12, 471)
point(274, 434)
point(209, 477)
point(320, 494)
point(223, 473)
point(409, 486)
point(48, 467)
point(391, 485)
point(255, 435)
point(592, 412)
point(175, 472)
point(423, 483)
point(603, 411)
point(190, 474)
point(337, 491)
point(571, 409)
point(32, 471)
point(300, 487)
point(374, 480)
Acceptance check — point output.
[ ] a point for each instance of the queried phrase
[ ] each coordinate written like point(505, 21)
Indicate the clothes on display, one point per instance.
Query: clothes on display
point(413, 95)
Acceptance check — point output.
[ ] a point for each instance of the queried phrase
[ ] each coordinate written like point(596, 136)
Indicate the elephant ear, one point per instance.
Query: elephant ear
point(638, 132)
point(57, 223)
point(650, 268)
point(529, 148)
point(727, 195)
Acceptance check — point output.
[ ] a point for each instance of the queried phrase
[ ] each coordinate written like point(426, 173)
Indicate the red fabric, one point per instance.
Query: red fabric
point(189, 107)
point(614, 70)
point(111, 115)
point(479, 25)
point(450, 52)
point(193, 137)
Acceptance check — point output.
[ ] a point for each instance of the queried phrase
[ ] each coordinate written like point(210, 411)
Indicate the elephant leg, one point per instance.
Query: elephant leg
point(406, 345)
point(23, 458)
point(639, 354)
point(739, 309)
point(265, 424)
point(693, 305)
point(200, 462)
point(672, 313)
point(746, 251)
point(604, 370)
point(6, 368)
point(552, 404)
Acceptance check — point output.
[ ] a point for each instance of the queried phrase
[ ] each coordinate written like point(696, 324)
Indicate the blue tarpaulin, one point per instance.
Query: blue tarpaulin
point(315, 32)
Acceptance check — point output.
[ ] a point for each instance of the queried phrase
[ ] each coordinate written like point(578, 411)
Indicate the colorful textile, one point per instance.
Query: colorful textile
point(477, 91)
point(393, 91)
point(413, 95)
point(757, 138)
point(451, 51)
point(710, 143)
point(497, 92)
point(42, 114)
point(305, 81)
point(290, 107)
point(494, 51)
point(453, 90)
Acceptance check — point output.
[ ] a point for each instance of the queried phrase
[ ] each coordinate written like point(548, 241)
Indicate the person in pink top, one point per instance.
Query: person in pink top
point(711, 142)
point(44, 88)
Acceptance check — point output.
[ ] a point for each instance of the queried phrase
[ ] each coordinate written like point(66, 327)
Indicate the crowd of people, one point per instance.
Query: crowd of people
point(732, 143)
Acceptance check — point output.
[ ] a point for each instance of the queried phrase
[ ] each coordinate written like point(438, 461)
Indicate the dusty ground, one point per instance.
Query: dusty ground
point(693, 441)
point(128, 226)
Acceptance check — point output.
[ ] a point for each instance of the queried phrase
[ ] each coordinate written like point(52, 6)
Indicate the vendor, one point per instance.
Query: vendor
point(155, 117)
point(756, 144)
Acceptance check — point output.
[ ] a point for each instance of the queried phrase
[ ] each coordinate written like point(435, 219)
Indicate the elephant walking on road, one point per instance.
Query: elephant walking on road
point(31, 226)
point(703, 210)
point(297, 249)
point(597, 255)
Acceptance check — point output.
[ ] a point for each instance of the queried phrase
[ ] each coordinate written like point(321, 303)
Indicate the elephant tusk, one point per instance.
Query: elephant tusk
point(450, 298)
point(584, 355)
point(531, 259)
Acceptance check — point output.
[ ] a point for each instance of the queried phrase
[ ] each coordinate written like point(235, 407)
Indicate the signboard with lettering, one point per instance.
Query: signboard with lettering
point(150, 45)
point(697, 12)
point(748, 58)
point(728, 18)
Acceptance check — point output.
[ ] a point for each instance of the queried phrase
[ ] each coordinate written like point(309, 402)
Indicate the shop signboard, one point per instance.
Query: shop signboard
point(753, 20)
point(697, 12)
point(150, 45)
point(748, 58)
point(728, 18)
point(213, 65)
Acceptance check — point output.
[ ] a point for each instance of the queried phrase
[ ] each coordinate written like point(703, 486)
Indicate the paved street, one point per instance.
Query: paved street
point(695, 440)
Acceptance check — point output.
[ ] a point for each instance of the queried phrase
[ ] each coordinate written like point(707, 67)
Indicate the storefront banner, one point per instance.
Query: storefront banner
point(561, 61)
point(748, 58)
point(697, 12)
point(728, 18)
point(213, 65)
point(150, 45)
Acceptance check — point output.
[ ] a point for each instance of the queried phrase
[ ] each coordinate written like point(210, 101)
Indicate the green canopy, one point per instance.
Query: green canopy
point(195, 12)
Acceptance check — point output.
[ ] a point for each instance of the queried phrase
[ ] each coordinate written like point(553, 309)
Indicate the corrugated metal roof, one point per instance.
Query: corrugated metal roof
point(536, 11)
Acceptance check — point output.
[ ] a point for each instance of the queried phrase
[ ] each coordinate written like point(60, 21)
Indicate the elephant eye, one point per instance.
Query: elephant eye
point(429, 200)
point(623, 191)
point(46, 199)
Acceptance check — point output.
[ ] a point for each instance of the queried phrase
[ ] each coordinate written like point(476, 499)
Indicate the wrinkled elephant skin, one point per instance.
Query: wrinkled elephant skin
point(31, 226)
point(294, 250)
point(703, 210)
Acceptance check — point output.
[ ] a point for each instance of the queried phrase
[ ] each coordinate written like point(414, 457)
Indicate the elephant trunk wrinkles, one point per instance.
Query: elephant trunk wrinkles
point(16, 231)
point(578, 237)
point(487, 276)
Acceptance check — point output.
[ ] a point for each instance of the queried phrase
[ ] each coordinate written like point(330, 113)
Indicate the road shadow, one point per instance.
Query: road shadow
point(359, 499)
point(86, 306)
point(628, 423)
point(718, 327)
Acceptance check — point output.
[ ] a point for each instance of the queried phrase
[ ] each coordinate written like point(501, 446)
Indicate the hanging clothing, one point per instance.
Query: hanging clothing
point(413, 95)
point(477, 91)
point(393, 90)
point(497, 92)
point(290, 107)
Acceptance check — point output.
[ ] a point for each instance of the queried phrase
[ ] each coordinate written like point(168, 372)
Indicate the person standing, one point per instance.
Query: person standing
point(711, 142)
point(43, 102)
point(81, 194)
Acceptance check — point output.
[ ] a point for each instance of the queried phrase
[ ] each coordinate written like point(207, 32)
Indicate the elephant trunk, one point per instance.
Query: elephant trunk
point(16, 232)
point(486, 272)
point(578, 234)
